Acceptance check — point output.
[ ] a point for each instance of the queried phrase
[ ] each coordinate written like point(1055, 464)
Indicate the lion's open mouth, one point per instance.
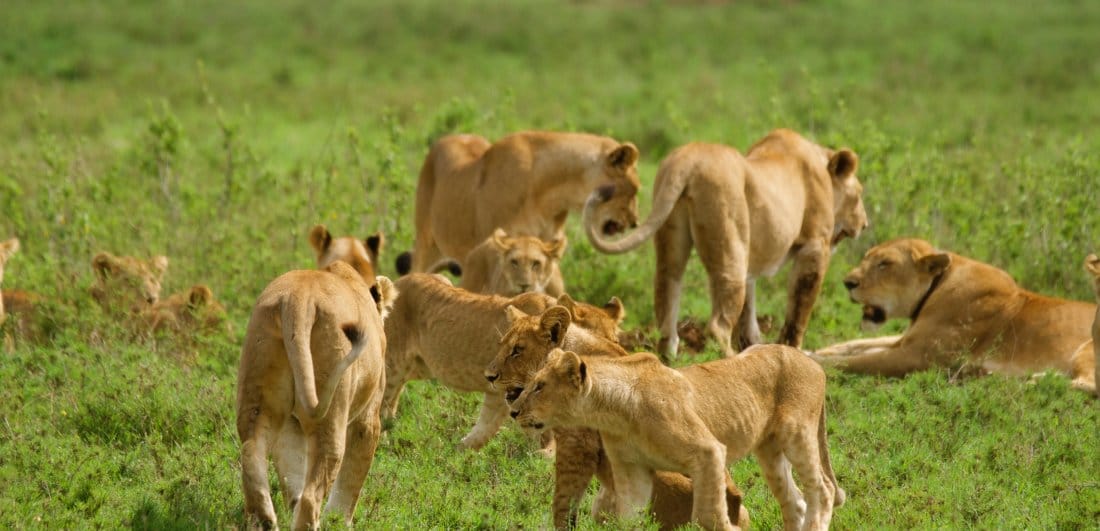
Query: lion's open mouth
point(845, 233)
point(874, 314)
point(513, 394)
point(612, 227)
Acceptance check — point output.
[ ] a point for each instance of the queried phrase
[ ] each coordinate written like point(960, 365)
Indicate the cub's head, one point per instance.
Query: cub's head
point(848, 214)
point(193, 310)
point(361, 255)
point(530, 338)
point(7, 248)
point(131, 282)
point(615, 198)
point(526, 263)
point(1092, 265)
point(207, 312)
point(893, 279)
point(552, 392)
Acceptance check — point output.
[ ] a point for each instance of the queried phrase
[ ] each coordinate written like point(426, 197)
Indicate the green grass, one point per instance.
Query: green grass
point(219, 132)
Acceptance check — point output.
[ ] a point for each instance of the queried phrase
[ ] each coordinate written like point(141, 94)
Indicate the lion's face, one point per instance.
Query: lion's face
point(892, 279)
point(553, 390)
point(526, 262)
point(849, 216)
point(361, 255)
point(7, 249)
point(129, 278)
point(616, 194)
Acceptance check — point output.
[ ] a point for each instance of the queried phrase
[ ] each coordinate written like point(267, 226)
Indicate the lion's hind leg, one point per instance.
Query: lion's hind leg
point(777, 473)
point(289, 452)
point(1084, 368)
point(673, 246)
point(326, 451)
point(802, 449)
point(362, 442)
point(256, 429)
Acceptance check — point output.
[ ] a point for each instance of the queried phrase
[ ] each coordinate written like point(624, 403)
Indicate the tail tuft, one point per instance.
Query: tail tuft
point(352, 332)
point(403, 263)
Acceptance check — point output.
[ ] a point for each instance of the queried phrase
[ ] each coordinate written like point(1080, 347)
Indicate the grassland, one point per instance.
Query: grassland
point(219, 132)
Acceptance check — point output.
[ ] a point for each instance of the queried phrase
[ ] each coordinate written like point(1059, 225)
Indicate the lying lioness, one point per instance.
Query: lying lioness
point(309, 391)
point(788, 199)
point(770, 401)
point(525, 183)
point(962, 311)
point(522, 352)
point(439, 331)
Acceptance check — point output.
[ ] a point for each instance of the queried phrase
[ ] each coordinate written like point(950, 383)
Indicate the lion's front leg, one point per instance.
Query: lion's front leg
point(807, 273)
point(494, 410)
point(886, 361)
point(708, 473)
point(858, 346)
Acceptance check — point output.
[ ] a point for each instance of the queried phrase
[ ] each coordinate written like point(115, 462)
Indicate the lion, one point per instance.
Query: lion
point(360, 255)
point(127, 284)
point(309, 391)
point(789, 199)
point(439, 331)
point(1092, 265)
point(961, 312)
point(187, 312)
point(510, 265)
point(769, 400)
point(525, 183)
point(7, 248)
point(522, 351)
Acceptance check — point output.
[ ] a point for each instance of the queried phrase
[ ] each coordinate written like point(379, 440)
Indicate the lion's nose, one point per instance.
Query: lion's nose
point(514, 413)
point(851, 283)
point(492, 377)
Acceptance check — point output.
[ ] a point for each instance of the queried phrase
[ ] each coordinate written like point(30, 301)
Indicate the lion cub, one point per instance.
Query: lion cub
point(188, 311)
point(769, 400)
point(510, 265)
point(127, 284)
point(360, 255)
point(439, 331)
point(309, 390)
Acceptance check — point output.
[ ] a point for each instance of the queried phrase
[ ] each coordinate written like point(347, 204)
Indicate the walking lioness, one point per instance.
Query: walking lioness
point(787, 200)
point(525, 183)
point(309, 391)
point(769, 400)
point(961, 312)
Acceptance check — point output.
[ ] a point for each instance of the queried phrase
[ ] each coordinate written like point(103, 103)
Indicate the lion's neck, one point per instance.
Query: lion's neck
point(584, 342)
point(610, 401)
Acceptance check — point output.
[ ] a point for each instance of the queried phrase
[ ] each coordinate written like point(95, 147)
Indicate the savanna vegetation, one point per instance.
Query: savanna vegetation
point(218, 133)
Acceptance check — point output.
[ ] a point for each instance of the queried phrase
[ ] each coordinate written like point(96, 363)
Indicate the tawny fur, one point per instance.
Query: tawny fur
point(125, 284)
point(361, 255)
point(510, 265)
point(7, 248)
point(439, 331)
point(788, 199)
point(974, 315)
point(769, 400)
point(188, 312)
point(525, 183)
point(522, 351)
point(309, 391)
point(1092, 265)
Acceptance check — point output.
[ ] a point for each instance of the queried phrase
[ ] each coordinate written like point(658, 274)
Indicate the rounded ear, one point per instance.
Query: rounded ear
point(200, 295)
point(160, 264)
point(934, 264)
point(555, 248)
point(623, 157)
point(319, 239)
point(499, 239)
point(565, 300)
point(513, 314)
point(554, 322)
point(615, 310)
point(574, 366)
point(1092, 265)
point(374, 244)
point(843, 164)
point(9, 247)
point(102, 264)
point(384, 293)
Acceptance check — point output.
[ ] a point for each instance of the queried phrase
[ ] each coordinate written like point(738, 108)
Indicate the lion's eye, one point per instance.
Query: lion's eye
point(516, 350)
point(538, 387)
point(884, 264)
point(515, 263)
point(536, 265)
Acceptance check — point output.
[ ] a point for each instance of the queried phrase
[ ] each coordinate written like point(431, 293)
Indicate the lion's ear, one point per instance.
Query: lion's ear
point(513, 314)
point(614, 309)
point(1092, 265)
point(160, 265)
point(374, 244)
point(499, 239)
point(103, 264)
point(555, 248)
point(8, 248)
point(623, 157)
point(384, 294)
point(573, 365)
point(200, 295)
point(843, 164)
point(320, 239)
point(554, 322)
point(934, 264)
point(565, 300)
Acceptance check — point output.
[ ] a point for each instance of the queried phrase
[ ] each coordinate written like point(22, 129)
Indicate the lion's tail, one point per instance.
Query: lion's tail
point(298, 317)
point(665, 196)
point(827, 466)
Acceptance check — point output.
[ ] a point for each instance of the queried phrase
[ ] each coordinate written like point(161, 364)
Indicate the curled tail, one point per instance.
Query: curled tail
point(298, 318)
point(664, 200)
point(827, 466)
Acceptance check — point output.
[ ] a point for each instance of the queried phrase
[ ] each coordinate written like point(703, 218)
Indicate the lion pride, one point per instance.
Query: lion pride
point(788, 199)
point(961, 312)
point(525, 183)
point(309, 389)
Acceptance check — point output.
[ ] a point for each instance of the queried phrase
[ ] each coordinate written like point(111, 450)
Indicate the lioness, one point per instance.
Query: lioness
point(525, 183)
point(1092, 264)
point(125, 283)
point(523, 350)
point(439, 331)
point(360, 255)
point(788, 199)
point(961, 311)
point(309, 390)
point(7, 248)
point(189, 311)
point(510, 265)
point(769, 400)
